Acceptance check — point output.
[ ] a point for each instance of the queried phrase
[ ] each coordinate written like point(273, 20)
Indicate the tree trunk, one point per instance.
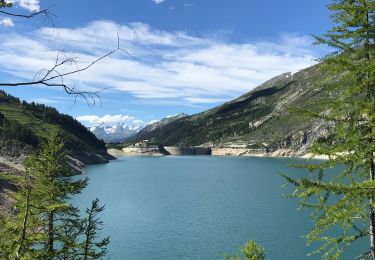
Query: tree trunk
point(24, 227)
point(50, 241)
point(87, 234)
point(370, 139)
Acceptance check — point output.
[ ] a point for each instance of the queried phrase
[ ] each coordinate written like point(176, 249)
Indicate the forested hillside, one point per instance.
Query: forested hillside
point(24, 126)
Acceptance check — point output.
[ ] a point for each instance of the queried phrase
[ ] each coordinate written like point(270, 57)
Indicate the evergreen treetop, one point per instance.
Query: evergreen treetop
point(343, 202)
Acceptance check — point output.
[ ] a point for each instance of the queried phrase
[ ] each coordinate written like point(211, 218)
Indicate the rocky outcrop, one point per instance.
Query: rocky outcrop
point(139, 149)
point(14, 153)
point(147, 151)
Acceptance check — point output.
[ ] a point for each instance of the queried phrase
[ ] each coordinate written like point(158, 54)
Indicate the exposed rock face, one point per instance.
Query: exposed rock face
point(137, 151)
point(13, 155)
point(143, 148)
point(115, 152)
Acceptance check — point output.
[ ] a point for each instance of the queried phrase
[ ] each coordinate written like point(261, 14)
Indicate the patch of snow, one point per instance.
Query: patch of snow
point(118, 132)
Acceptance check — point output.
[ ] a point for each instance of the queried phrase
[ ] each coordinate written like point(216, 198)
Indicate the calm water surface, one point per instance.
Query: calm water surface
point(197, 207)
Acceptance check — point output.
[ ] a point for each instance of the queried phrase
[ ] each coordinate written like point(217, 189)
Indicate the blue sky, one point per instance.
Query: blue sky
point(191, 55)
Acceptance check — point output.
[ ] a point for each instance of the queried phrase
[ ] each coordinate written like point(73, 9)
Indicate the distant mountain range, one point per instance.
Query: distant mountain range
point(115, 133)
point(120, 132)
point(261, 118)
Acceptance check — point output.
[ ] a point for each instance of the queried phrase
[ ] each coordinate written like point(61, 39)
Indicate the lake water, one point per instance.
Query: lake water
point(197, 207)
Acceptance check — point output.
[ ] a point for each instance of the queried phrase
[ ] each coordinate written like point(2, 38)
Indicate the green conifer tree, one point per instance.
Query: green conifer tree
point(92, 224)
point(343, 203)
point(44, 224)
point(54, 185)
point(19, 233)
point(249, 251)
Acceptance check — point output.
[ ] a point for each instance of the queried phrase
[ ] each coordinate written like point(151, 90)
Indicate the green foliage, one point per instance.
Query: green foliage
point(343, 203)
point(18, 233)
point(54, 185)
point(249, 251)
point(92, 224)
point(45, 225)
point(12, 130)
point(4, 4)
point(32, 123)
point(252, 251)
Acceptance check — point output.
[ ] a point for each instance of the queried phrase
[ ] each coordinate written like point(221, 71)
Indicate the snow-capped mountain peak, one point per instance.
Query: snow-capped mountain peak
point(117, 132)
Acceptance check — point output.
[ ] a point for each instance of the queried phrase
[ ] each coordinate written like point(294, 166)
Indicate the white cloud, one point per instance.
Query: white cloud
point(170, 66)
point(108, 119)
point(46, 100)
point(203, 100)
point(7, 22)
point(152, 122)
point(158, 1)
point(30, 5)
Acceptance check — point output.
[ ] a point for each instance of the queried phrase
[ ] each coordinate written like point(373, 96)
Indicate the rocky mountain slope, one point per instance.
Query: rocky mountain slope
point(161, 123)
point(23, 126)
point(115, 133)
point(262, 119)
point(120, 132)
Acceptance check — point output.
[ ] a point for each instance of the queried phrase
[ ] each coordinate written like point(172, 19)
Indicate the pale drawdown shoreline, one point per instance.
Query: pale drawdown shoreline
point(235, 152)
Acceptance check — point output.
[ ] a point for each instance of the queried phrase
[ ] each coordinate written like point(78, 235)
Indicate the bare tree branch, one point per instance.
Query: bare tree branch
point(45, 12)
point(53, 77)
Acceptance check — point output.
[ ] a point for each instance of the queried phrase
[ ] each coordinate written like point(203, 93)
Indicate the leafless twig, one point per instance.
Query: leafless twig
point(45, 12)
point(53, 77)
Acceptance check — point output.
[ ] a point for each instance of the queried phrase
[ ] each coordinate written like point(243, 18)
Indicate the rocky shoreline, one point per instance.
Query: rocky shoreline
point(213, 151)
point(77, 161)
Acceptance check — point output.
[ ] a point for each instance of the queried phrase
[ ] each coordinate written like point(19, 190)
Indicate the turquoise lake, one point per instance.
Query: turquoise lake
point(198, 207)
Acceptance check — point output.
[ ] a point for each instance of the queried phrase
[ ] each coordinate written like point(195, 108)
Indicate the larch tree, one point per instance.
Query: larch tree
point(249, 251)
point(93, 249)
point(342, 199)
point(55, 186)
point(44, 224)
point(19, 232)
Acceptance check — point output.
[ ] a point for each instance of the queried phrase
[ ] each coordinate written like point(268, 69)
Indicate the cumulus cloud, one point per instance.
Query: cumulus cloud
point(170, 66)
point(48, 101)
point(7, 22)
point(108, 119)
point(30, 5)
point(158, 1)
